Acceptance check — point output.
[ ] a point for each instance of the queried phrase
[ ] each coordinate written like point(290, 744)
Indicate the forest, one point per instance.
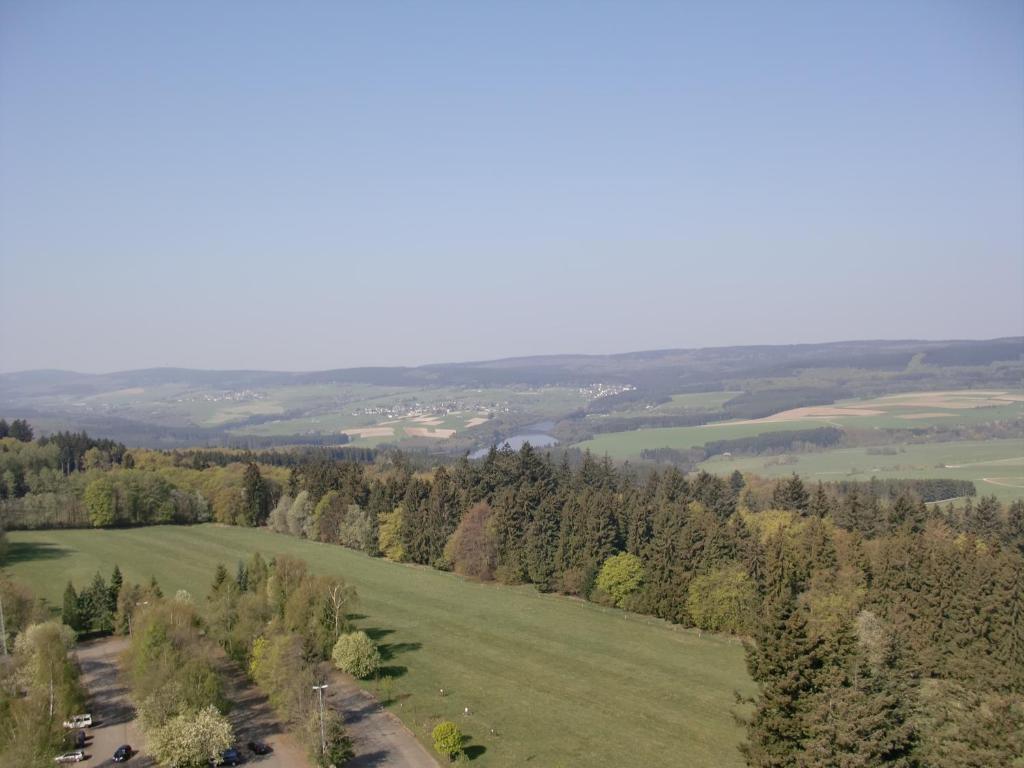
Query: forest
point(880, 629)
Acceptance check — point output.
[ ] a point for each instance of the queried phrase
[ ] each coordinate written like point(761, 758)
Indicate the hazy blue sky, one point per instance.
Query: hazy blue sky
point(312, 185)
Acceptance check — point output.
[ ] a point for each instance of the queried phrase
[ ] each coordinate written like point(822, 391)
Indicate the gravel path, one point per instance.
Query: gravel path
point(380, 739)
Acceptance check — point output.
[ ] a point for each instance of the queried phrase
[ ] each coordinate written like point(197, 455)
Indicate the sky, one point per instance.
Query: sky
point(301, 186)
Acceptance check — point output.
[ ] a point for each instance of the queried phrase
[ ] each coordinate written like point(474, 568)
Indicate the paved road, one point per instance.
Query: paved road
point(112, 713)
point(380, 739)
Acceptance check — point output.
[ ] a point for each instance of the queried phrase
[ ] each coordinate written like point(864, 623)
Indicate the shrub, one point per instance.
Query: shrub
point(356, 654)
point(447, 739)
point(620, 576)
point(723, 600)
point(191, 738)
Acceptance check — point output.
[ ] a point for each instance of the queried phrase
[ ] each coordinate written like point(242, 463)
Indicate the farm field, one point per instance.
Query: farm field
point(903, 411)
point(561, 682)
point(628, 445)
point(995, 466)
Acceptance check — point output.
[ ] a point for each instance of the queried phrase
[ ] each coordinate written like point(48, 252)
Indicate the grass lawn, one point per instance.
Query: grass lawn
point(628, 445)
point(1001, 461)
point(561, 682)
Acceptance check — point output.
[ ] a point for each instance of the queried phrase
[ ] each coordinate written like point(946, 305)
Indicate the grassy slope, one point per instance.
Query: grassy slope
point(1001, 460)
point(562, 682)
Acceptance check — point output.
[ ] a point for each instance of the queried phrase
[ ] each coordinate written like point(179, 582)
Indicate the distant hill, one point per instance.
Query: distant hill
point(180, 406)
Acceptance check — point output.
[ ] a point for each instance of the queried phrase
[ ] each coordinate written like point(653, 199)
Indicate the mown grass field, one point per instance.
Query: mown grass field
point(561, 682)
point(995, 466)
point(628, 445)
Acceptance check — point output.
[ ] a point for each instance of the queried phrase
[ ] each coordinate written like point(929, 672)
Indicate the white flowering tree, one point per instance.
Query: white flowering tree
point(191, 739)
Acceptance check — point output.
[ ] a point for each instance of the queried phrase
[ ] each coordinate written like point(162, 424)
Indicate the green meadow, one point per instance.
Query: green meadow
point(995, 466)
point(549, 680)
point(628, 445)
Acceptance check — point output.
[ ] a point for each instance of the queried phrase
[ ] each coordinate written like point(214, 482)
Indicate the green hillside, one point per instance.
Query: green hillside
point(561, 682)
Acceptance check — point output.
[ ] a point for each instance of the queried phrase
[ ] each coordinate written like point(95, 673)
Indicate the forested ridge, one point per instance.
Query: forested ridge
point(879, 629)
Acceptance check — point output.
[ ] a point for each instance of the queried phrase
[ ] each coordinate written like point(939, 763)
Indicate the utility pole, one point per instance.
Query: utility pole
point(323, 738)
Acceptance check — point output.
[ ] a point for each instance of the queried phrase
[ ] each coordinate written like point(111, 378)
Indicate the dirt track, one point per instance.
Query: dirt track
point(380, 738)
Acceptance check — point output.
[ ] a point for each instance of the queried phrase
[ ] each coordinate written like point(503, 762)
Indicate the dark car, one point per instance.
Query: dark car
point(122, 754)
point(259, 748)
point(231, 756)
point(80, 739)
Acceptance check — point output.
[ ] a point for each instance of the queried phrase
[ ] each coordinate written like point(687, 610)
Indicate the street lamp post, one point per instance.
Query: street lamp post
point(323, 738)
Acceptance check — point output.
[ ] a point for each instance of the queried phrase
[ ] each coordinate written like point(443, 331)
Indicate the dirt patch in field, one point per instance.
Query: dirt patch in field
point(371, 431)
point(922, 415)
point(432, 421)
point(476, 421)
point(424, 432)
point(808, 412)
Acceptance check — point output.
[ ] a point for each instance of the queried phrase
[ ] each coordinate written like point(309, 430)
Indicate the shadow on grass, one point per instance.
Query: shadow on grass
point(394, 671)
point(472, 751)
point(26, 551)
point(376, 633)
point(388, 651)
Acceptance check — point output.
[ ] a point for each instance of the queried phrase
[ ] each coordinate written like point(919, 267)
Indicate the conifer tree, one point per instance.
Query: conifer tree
point(116, 581)
point(791, 495)
point(860, 714)
point(220, 577)
point(785, 662)
point(241, 577)
point(821, 503)
point(71, 613)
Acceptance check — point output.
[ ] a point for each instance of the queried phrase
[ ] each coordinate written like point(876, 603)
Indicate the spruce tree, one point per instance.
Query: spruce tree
point(860, 716)
point(220, 577)
point(791, 495)
point(71, 613)
point(116, 581)
point(1015, 525)
point(241, 577)
point(785, 662)
point(821, 503)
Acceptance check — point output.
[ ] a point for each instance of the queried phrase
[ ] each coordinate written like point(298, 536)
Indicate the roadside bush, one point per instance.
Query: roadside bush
point(356, 654)
point(621, 576)
point(447, 739)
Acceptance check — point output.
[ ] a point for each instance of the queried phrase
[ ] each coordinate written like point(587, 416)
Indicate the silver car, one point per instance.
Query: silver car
point(70, 757)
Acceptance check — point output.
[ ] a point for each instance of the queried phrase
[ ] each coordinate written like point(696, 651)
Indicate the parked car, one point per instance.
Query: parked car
point(78, 739)
point(70, 757)
point(259, 748)
point(123, 753)
point(231, 756)
point(79, 721)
